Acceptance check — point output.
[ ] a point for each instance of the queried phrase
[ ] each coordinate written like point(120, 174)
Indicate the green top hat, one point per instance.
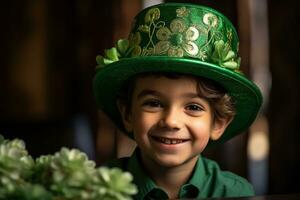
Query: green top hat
point(181, 38)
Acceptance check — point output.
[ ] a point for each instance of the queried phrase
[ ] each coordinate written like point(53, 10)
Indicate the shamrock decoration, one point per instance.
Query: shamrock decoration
point(224, 56)
point(114, 54)
point(66, 175)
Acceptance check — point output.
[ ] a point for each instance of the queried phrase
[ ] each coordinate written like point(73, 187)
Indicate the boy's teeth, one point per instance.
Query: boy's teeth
point(170, 141)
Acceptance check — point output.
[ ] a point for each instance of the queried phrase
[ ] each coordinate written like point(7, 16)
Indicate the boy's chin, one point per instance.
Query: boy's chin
point(174, 161)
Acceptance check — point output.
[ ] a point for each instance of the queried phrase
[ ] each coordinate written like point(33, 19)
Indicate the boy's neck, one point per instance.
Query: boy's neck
point(170, 178)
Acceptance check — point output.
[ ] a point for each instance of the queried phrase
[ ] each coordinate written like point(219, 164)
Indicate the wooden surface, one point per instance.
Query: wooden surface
point(268, 197)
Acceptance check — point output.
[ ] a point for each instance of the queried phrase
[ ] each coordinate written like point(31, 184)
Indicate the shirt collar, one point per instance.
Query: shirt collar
point(143, 181)
point(197, 182)
point(199, 177)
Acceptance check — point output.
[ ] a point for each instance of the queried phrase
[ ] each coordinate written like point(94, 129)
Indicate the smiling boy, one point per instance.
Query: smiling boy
point(176, 88)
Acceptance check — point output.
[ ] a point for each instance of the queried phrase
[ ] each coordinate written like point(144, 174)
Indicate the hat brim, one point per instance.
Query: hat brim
point(108, 81)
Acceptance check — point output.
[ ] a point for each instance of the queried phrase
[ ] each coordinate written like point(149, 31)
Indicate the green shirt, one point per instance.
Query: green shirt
point(206, 181)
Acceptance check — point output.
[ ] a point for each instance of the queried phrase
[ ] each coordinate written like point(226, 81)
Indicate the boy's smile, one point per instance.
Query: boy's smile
point(170, 141)
point(171, 123)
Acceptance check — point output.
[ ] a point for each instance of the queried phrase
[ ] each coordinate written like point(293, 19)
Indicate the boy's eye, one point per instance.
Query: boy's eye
point(194, 107)
point(152, 103)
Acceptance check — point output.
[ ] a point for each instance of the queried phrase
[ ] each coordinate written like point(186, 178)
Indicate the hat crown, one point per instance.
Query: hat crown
point(185, 31)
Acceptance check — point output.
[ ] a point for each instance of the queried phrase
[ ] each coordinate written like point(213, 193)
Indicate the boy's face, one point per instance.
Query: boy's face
point(170, 122)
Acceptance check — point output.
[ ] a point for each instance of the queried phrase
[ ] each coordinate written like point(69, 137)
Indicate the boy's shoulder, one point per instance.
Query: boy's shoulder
point(228, 183)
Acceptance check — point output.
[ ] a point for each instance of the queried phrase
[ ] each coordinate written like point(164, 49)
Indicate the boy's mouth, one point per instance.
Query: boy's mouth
point(169, 140)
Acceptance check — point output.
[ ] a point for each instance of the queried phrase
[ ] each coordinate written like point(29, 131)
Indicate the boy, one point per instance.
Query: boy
point(175, 87)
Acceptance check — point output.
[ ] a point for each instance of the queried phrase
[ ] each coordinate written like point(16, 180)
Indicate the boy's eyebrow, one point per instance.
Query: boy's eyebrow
point(191, 95)
point(157, 93)
point(148, 92)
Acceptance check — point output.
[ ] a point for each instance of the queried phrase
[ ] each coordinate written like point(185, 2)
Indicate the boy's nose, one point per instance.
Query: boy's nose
point(171, 119)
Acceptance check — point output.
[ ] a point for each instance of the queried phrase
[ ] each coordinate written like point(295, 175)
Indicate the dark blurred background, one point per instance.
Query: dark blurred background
point(48, 50)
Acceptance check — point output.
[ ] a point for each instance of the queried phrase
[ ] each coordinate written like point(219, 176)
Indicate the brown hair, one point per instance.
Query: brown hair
point(222, 104)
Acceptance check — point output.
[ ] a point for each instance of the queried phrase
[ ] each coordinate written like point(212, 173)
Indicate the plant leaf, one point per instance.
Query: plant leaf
point(122, 46)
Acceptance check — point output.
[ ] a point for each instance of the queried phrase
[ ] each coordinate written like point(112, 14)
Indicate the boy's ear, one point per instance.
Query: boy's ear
point(126, 116)
point(219, 127)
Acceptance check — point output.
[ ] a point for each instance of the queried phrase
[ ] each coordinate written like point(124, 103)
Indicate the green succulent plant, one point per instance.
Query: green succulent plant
point(65, 175)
